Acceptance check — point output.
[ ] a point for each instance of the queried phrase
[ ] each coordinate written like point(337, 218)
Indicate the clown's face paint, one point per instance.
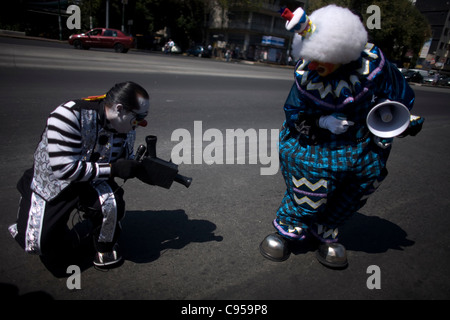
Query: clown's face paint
point(123, 120)
point(323, 68)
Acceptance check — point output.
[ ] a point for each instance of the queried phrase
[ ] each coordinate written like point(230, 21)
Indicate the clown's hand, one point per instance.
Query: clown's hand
point(335, 123)
point(415, 125)
point(383, 143)
point(126, 169)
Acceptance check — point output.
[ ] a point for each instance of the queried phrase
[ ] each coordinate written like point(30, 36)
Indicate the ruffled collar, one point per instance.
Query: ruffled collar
point(345, 86)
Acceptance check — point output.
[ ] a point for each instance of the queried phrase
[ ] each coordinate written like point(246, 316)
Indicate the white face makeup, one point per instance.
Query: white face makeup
point(123, 120)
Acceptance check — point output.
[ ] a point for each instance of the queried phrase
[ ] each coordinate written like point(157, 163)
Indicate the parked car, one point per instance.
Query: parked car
point(430, 79)
point(444, 81)
point(199, 51)
point(413, 76)
point(102, 38)
point(422, 72)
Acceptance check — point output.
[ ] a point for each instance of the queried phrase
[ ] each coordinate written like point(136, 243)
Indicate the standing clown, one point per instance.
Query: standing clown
point(330, 158)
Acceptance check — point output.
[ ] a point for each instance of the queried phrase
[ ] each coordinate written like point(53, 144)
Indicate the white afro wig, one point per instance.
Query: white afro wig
point(339, 37)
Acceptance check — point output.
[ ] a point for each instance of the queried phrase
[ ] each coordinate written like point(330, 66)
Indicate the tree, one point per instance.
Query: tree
point(402, 28)
point(89, 10)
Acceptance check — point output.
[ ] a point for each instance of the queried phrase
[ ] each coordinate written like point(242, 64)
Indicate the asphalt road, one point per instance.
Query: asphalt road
point(202, 242)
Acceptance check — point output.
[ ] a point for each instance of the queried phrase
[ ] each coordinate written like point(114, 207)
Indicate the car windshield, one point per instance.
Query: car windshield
point(95, 32)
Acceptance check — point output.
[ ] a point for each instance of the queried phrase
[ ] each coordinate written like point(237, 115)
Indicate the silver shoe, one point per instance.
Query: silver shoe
point(332, 255)
point(108, 259)
point(274, 247)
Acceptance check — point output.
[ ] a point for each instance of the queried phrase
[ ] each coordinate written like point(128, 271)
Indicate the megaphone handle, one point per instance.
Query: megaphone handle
point(385, 113)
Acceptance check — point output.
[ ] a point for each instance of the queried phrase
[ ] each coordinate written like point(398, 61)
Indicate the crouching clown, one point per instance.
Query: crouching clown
point(331, 157)
point(86, 144)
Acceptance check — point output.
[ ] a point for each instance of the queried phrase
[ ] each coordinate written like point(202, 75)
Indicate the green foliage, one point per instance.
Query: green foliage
point(89, 9)
point(240, 3)
point(403, 27)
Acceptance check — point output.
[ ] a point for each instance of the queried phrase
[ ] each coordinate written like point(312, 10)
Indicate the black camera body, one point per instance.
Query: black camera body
point(157, 171)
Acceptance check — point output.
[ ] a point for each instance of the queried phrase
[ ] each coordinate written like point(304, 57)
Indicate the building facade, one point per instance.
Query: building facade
point(436, 52)
point(255, 33)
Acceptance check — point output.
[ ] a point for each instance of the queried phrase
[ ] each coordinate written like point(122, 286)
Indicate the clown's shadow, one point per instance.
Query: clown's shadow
point(145, 234)
point(373, 234)
point(369, 234)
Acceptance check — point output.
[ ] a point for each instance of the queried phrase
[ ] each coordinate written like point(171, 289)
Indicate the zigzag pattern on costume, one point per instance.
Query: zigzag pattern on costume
point(313, 187)
point(311, 203)
point(365, 61)
point(325, 90)
point(346, 90)
point(325, 233)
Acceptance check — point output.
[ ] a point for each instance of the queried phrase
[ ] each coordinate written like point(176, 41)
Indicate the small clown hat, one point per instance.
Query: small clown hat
point(298, 22)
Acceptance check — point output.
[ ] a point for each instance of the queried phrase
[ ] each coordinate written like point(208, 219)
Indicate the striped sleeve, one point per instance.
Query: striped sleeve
point(64, 147)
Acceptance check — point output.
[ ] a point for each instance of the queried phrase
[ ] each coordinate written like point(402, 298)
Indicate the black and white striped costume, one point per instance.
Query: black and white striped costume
point(72, 158)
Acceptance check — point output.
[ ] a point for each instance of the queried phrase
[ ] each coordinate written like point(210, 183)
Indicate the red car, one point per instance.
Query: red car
point(102, 38)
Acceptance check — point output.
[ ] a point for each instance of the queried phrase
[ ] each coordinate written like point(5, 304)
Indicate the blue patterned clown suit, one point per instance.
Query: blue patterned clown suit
point(329, 176)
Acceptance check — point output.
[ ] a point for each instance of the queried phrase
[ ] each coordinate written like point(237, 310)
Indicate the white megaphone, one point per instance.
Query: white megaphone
point(388, 119)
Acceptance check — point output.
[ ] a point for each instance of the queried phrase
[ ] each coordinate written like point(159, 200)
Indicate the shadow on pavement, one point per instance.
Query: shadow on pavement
point(368, 234)
point(10, 291)
point(373, 234)
point(146, 234)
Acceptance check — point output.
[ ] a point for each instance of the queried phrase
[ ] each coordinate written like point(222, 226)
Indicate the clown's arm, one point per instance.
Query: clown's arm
point(64, 148)
point(297, 117)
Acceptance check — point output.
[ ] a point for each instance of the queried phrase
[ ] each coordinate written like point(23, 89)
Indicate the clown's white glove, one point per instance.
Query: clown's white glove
point(335, 123)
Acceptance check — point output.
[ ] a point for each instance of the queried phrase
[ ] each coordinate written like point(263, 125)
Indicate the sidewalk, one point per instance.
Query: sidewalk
point(22, 35)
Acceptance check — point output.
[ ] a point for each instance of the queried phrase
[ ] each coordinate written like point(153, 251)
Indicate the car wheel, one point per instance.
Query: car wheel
point(77, 44)
point(118, 47)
